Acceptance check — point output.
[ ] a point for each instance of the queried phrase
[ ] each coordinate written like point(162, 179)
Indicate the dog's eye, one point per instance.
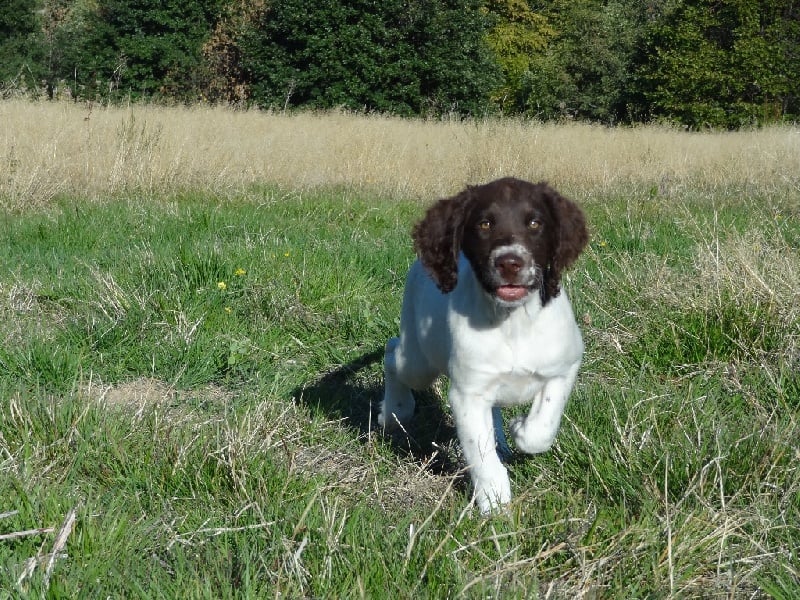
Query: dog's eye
point(485, 225)
point(534, 224)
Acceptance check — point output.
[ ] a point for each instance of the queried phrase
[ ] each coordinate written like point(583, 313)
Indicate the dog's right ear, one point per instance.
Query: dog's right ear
point(437, 239)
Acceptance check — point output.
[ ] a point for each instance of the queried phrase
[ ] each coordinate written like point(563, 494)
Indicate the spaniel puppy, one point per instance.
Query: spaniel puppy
point(483, 305)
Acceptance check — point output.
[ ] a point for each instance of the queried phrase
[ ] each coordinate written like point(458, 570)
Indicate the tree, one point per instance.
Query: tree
point(723, 64)
point(136, 48)
point(399, 56)
point(517, 37)
point(585, 71)
point(21, 49)
point(222, 55)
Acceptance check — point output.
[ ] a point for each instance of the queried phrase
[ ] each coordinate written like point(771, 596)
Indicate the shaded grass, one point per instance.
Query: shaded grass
point(217, 439)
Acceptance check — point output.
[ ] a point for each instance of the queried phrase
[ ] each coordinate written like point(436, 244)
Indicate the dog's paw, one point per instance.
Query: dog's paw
point(532, 440)
point(491, 498)
point(396, 418)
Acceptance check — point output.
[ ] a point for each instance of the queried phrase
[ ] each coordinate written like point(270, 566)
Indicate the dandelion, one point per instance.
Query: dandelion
point(239, 272)
point(228, 309)
point(222, 286)
point(603, 244)
point(286, 254)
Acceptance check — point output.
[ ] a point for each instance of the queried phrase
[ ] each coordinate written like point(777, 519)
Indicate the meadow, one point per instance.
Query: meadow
point(193, 306)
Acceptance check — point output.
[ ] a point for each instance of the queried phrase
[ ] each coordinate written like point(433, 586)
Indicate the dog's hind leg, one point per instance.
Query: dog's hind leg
point(398, 404)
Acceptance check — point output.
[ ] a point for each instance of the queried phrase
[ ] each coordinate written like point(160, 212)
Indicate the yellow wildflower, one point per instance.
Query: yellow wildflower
point(221, 285)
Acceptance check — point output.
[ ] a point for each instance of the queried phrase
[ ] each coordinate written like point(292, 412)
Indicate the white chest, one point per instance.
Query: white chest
point(510, 361)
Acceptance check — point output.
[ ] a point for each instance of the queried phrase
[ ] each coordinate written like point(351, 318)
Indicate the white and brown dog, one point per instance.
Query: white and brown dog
point(483, 305)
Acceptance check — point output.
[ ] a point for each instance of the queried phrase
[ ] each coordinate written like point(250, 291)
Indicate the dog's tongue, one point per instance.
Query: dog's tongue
point(511, 293)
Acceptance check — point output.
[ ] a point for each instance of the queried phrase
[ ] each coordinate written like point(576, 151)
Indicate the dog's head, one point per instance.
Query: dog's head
point(518, 237)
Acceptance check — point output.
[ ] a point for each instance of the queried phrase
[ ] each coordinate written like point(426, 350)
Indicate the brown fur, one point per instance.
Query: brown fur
point(451, 226)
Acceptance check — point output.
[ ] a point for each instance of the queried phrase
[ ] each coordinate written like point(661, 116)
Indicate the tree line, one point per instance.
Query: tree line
point(700, 63)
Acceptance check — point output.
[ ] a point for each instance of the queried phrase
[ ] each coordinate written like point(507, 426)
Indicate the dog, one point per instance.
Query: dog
point(483, 305)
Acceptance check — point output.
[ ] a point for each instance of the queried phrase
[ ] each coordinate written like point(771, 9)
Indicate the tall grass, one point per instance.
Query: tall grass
point(48, 149)
point(190, 345)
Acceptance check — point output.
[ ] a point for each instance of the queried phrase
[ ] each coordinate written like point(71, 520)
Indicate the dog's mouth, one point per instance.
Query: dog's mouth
point(511, 293)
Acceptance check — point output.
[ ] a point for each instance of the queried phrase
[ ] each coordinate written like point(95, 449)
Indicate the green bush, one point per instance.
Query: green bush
point(134, 49)
point(21, 48)
point(401, 57)
point(723, 65)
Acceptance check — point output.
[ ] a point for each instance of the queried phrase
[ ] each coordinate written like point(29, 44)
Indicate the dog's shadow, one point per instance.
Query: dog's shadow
point(352, 393)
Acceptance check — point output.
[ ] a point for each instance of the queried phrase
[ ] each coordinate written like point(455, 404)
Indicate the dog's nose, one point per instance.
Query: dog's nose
point(508, 265)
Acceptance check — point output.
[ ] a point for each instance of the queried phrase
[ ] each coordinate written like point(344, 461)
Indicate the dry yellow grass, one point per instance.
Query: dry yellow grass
point(47, 149)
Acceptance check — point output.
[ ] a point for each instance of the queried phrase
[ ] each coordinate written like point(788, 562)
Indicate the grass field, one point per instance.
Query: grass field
point(190, 362)
point(49, 150)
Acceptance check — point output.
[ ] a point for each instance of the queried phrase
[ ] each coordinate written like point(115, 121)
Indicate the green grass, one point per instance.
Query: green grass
point(197, 379)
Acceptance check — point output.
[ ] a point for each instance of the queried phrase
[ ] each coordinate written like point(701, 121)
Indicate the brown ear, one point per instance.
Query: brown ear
point(437, 239)
point(570, 242)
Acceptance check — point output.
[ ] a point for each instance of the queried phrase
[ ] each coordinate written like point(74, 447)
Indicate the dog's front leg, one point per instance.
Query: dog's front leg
point(475, 427)
point(536, 432)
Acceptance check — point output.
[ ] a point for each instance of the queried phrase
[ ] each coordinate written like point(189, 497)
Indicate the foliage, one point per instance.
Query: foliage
point(697, 62)
point(701, 63)
point(585, 71)
point(21, 47)
point(397, 56)
point(222, 55)
point(135, 48)
point(517, 37)
point(712, 64)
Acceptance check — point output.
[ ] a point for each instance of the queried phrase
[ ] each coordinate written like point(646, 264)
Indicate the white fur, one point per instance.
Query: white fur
point(494, 355)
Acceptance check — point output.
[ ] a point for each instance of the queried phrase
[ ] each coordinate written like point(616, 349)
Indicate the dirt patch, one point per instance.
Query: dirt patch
point(145, 393)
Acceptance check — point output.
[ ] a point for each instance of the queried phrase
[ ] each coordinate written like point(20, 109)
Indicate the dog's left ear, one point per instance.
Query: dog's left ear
point(437, 239)
point(571, 239)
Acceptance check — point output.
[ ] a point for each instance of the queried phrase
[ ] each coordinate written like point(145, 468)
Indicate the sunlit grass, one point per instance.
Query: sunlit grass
point(53, 148)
